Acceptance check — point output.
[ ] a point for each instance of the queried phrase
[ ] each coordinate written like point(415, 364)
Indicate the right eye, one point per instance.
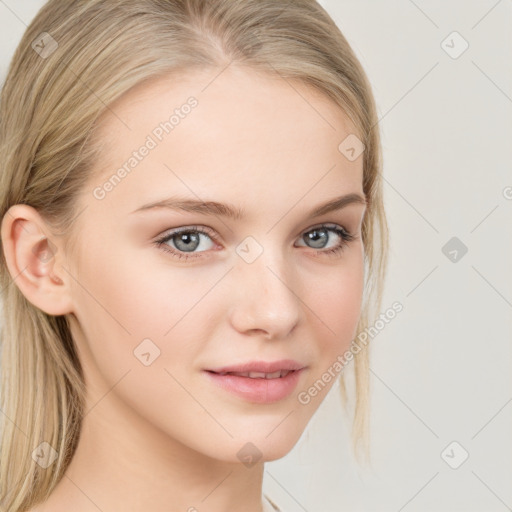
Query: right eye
point(185, 241)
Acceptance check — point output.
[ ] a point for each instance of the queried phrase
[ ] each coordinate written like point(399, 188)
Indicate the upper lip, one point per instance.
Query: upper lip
point(260, 366)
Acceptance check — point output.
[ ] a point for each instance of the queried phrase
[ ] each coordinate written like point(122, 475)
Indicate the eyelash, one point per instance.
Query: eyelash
point(345, 236)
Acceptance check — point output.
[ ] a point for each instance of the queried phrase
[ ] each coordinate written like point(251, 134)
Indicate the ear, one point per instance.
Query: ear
point(31, 252)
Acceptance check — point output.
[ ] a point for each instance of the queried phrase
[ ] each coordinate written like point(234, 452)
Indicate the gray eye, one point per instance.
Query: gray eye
point(190, 240)
point(318, 238)
point(187, 241)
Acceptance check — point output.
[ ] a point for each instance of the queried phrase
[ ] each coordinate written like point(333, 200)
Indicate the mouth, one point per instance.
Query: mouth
point(256, 386)
point(257, 375)
point(259, 367)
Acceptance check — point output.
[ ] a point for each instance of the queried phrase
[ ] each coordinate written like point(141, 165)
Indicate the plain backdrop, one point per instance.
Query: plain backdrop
point(441, 72)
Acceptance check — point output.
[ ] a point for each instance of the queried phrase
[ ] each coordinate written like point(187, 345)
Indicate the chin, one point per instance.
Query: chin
point(274, 443)
point(252, 448)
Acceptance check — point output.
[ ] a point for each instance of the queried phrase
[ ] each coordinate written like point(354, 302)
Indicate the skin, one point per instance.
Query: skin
point(162, 437)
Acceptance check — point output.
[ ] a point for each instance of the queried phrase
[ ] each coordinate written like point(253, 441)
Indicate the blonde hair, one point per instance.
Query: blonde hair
point(93, 52)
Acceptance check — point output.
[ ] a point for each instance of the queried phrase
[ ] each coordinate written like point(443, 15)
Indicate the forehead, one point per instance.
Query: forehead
point(248, 135)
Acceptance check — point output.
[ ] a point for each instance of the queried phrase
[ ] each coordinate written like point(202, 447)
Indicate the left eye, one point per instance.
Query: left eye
point(320, 235)
point(188, 240)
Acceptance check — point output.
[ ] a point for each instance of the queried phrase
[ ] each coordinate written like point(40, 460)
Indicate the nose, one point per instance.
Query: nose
point(265, 302)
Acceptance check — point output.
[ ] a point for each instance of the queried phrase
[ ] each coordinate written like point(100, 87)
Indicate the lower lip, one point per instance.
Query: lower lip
point(261, 391)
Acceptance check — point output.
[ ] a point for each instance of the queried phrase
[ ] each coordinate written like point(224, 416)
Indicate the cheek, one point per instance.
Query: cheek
point(336, 301)
point(132, 313)
point(135, 298)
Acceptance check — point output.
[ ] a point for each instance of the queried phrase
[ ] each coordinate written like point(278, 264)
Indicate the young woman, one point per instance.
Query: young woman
point(192, 236)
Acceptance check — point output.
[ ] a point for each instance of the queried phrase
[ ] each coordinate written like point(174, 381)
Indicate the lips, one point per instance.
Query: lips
point(258, 375)
point(266, 367)
point(258, 381)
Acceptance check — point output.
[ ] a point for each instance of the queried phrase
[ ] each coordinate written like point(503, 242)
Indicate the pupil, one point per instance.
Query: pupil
point(318, 235)
point(187, 239)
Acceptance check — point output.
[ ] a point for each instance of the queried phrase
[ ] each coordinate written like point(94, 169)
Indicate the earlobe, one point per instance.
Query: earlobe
point(31, 258)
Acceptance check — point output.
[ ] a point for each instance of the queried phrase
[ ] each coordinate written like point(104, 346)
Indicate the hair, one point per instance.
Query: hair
point(50, 106)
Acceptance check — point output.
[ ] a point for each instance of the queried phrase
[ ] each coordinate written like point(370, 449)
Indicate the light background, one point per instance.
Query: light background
point(441, 370)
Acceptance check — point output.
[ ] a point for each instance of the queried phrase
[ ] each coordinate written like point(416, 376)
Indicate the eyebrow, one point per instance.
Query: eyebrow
point(235, 213)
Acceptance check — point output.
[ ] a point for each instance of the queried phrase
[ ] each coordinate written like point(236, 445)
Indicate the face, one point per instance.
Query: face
point(163, 295)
